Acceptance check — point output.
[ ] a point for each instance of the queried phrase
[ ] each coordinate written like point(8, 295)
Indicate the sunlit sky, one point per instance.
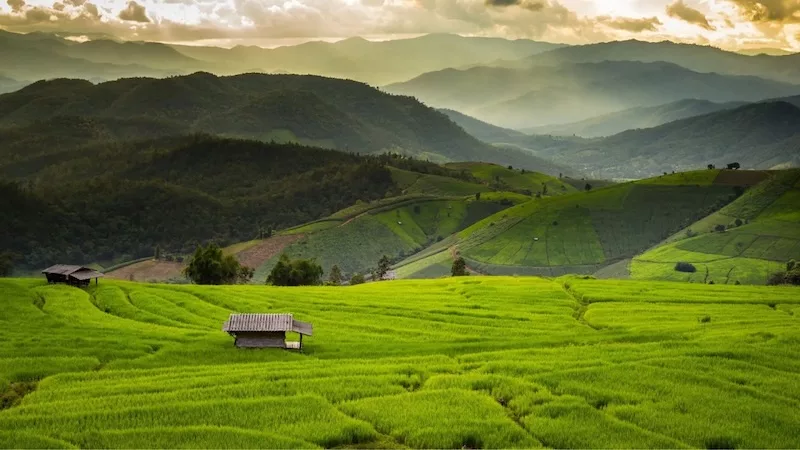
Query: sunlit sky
point(729, 24)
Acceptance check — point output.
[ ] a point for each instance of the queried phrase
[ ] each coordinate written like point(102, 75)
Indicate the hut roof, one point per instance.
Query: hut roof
point(77, 272)
point(266, 322)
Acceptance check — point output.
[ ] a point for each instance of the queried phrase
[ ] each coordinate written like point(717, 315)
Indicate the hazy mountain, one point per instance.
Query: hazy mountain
point(566, 93)
point(373, 62)
point(764, 51)
point(9, 84)
point(511, 139)
point(759, 136)
point(634, 118)
point(37, 56)
point(326, 112)
point(695, 57)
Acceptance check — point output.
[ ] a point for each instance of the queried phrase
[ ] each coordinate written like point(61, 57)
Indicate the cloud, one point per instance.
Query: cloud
point(682, 11)
point(16, 5)
point(630, 24)
point(765, 11)
point(530, 5)
point(134, 12)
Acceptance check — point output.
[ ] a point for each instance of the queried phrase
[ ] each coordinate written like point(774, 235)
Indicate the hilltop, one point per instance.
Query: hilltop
point(744, 242)
point(310, 110)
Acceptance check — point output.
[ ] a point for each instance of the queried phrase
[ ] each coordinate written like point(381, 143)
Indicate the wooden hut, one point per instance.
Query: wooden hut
point(72, 275)
point(266, 330)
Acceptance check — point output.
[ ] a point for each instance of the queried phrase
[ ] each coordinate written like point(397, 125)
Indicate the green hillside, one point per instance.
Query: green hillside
point(585, 231)
point(531, 183)
point(477, 362)
point(745, 242)
point(356, 238)
point(311, 110)
point(114, 203)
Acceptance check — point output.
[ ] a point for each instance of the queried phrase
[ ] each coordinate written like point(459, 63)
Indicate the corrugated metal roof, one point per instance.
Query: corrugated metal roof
point(62, 269)
point(85, 274)
point(266, 322)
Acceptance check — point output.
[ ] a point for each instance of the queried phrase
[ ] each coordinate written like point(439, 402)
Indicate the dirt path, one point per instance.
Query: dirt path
point(260, 253)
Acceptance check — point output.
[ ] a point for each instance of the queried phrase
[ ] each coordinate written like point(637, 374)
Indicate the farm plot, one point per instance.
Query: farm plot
point(478, 362)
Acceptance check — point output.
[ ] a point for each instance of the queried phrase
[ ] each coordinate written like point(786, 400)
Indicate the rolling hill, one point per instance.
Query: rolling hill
point(744, 242)
point(584, 232)
point(113, 203)
point(325, 112)
point(759, 136)
point(634, 118)
point(521, 98)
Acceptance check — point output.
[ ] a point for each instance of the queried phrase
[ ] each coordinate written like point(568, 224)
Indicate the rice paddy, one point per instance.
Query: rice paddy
point(476, 362)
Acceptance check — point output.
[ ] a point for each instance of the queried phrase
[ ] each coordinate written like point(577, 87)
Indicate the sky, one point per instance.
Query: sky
point(729, 24)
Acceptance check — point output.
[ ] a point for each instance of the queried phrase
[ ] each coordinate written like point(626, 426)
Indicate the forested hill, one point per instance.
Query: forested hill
point(324, 112)
point(117, 202)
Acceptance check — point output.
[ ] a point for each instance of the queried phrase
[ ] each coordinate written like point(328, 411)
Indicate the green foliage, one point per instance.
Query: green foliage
point(682, 266)
point(357, 278)
point(459, 268)
point(295, 272)
point(6, 263)
point(210, 266)
point(384, 264)
point(335, 277)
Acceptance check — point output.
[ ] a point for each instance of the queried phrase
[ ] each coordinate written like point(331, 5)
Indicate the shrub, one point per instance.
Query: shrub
point(705, 319)
point(459, 268)
point(210, 266)
point(335, 277)
point(719, 228)
point(685, 267)
point(295, 272)
point(357, 278)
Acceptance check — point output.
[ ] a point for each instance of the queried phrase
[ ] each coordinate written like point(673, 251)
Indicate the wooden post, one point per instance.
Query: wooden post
point(301, 343)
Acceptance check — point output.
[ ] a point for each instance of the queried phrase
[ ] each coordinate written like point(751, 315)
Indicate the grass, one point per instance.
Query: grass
point(476, 362)
point(760, 235)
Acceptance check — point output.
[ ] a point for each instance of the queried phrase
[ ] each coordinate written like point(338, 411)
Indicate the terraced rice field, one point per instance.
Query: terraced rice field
point(477, 362)
point(767, 235)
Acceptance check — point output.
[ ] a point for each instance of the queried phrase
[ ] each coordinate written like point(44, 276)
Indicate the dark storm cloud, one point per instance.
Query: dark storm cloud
point(134, 12)
point(682, 11)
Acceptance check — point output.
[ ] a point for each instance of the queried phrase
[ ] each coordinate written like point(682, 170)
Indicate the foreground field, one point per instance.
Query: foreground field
point(475, 362)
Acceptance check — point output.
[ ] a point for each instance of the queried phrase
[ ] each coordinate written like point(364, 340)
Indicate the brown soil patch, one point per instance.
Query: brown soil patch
point(260, 253)
point(741, 177)
point(149, 271)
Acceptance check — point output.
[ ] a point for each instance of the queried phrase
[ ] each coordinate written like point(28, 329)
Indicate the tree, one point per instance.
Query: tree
point(588, 187)
point(685, 267)
point(510, 167)
point(544, 188)
point(6, 264)
point(157, 253)
point(357, 278)
point(477, 196)
point(210, 266)
point(734, 166)
point(459, 268)
point(383, 268)
point(295, 272)
point(335, 277)
point(711, 167)
point(791, 265)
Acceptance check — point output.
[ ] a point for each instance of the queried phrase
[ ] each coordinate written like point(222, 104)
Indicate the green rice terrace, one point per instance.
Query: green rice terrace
point(475, 362)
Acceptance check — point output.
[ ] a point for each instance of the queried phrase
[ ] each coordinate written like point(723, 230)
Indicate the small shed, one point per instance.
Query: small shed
point(265, 330)
point(72, 275)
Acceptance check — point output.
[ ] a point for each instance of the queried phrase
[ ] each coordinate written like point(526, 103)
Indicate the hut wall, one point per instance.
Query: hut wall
point(261, 339)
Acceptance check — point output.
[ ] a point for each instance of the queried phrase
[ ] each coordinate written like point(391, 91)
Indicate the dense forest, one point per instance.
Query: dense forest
point(120, 201)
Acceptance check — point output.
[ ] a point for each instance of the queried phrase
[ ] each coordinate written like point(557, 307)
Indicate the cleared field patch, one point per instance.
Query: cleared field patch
point(515, 179)
point(151, 270)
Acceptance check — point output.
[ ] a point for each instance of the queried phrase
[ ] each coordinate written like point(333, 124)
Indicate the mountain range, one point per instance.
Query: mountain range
point(36, 56)
point(547, 95)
